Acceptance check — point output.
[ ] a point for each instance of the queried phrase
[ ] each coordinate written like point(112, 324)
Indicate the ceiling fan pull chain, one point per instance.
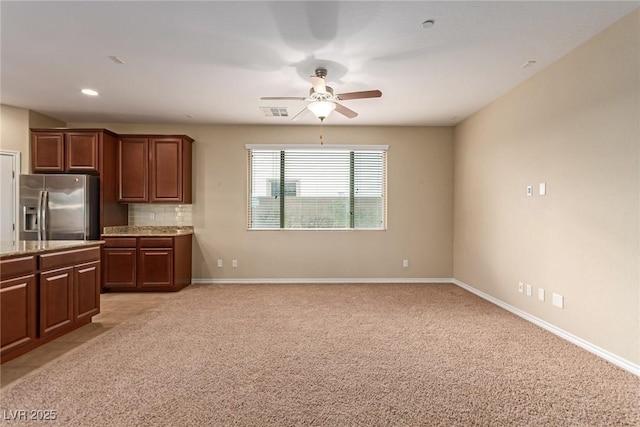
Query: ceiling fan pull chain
point(321, 130)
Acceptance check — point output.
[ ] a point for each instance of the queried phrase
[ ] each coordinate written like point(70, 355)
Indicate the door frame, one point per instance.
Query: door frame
point(17, 167)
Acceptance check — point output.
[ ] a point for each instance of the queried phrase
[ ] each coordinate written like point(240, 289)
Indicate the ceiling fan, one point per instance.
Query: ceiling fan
point(322, 100)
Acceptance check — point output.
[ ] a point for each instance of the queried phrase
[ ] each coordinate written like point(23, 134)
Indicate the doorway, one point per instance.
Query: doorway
point(9, 173)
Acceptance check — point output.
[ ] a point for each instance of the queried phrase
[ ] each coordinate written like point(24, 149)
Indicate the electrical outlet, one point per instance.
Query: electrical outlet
point(405, 263)
point(529, 290)
point(529, 190)
point(521, 287)
point(541, 294)
point(234, 263)
point(219, 263)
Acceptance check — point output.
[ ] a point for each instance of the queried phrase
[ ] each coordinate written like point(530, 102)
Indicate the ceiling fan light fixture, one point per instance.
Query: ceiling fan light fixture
point(321, 109)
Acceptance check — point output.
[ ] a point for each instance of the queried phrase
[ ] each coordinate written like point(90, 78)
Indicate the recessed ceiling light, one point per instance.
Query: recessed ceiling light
point(89, 92)
point(116, 59)
point(529, 63)
point(428, 23)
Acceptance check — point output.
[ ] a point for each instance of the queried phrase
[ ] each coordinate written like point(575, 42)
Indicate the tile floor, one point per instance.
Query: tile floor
point(115, 308)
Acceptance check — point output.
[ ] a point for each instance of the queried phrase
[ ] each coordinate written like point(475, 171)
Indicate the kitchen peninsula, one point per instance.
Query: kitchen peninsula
point(48, 289)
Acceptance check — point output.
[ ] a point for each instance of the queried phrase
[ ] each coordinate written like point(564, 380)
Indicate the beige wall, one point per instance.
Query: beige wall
point(420, 203)
point(37, 120)
point(575, 126)
point(14, 130)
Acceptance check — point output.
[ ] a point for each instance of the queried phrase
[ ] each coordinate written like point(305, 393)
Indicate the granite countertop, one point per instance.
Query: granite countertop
point(147, 230)
point(29, 247)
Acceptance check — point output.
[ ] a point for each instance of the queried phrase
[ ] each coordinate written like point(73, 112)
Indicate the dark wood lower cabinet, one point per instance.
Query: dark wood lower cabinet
point(56, 301)
point(18, 315)
point(38, 306)
point(119, 268)
point(86, 291)
point(146, 263)
point(156, 268)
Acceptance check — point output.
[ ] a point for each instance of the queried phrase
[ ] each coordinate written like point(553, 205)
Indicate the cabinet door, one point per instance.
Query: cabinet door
point(155, 268)
point(56, 300)
point(133, 170)
point(166, 170)
point(47, 152)
point(119, 266)
point(86, 290)
point(18, 316)
point(82, 151)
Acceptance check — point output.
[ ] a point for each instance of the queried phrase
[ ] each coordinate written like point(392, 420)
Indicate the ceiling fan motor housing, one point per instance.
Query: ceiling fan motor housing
point(326, 96)
point(321, 72)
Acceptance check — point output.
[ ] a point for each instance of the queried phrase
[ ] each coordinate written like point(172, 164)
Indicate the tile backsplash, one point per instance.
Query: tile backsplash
point(159, 214)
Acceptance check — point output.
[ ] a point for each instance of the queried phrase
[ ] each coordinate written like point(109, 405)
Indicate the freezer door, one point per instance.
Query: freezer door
point(31, 192)
point(67, 207)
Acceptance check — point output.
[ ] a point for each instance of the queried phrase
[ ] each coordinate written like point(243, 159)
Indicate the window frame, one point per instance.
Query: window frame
point(333, 147)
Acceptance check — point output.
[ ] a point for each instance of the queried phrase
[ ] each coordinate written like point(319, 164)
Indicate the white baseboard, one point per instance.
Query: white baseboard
point(606, 355)
point(272, 280)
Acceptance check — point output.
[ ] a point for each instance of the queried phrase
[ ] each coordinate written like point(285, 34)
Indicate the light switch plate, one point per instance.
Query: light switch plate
point(543, 188)
point(541, 294)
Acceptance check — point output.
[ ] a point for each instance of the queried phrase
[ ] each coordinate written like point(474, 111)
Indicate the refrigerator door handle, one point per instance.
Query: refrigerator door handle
point(45, 210)
point(40, 215)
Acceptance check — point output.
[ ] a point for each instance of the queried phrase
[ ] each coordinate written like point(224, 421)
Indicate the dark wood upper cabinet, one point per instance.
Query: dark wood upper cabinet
point(64, 151)
point(154, 169)
point(82, 151)
point(167, 176)
point(133, 169)
point(47, 152)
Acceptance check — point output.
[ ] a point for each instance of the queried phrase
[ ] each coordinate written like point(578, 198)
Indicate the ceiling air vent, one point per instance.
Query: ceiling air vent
point(274, 111)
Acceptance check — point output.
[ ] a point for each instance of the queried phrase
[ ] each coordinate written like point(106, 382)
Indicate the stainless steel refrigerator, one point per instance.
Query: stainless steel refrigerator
point(59, 207)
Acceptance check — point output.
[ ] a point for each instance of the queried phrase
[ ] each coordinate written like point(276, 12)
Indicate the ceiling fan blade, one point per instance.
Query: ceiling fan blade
point(294, 98)
point(359, 95)
point(345, 111)
point(318, 84)
point(301, 114)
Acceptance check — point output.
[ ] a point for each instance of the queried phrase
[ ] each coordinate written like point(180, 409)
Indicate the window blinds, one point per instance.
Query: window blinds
point(327, 188)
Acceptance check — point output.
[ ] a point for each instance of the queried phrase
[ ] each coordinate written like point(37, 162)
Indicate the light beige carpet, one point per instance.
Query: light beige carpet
point(328, 355)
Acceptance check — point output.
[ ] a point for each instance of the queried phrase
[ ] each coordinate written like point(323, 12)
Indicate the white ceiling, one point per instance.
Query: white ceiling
point(213, 61)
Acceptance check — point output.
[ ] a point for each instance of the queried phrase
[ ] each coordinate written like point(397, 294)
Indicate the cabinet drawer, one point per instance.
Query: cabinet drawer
point(61, 259)
point(17, 267)
point(156, 242)
point(119, 242)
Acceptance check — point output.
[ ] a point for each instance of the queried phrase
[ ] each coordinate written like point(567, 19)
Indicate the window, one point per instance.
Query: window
point(317, 187)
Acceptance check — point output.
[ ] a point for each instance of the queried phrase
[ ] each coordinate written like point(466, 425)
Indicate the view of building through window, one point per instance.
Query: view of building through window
point(317, 189)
